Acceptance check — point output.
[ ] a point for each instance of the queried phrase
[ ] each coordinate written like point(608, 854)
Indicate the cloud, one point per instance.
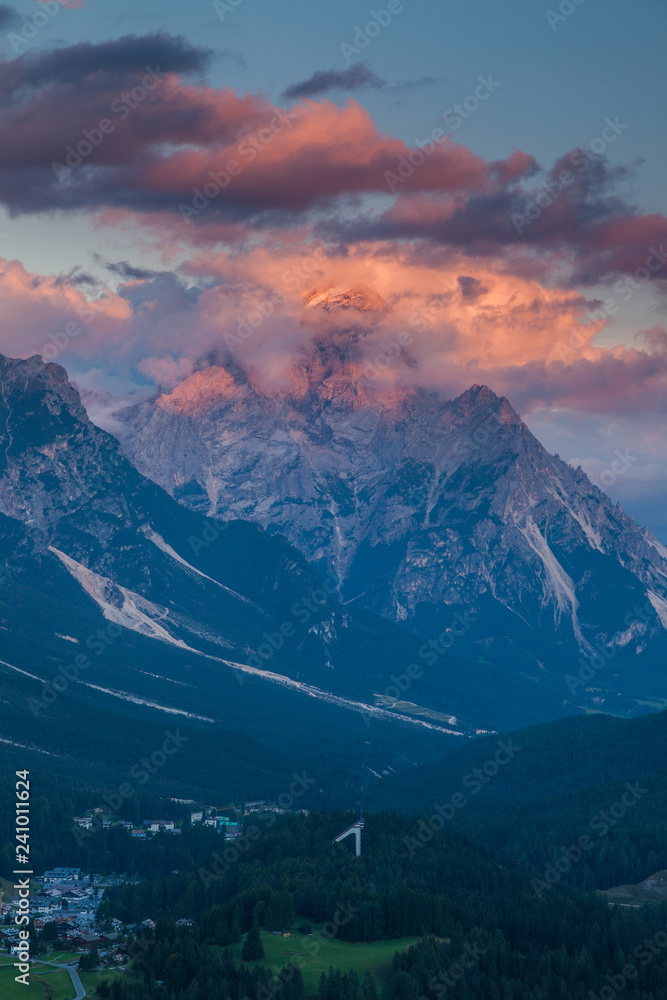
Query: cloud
point(8, 16)
point(586, 227)
point(124, 269)
point(37, 310)
point(115, 128)
point(122, 131)
point(324, 81)
point(97, 64)
point(234, 55)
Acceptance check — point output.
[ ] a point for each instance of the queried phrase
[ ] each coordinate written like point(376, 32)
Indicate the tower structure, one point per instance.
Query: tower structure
point(355, 831)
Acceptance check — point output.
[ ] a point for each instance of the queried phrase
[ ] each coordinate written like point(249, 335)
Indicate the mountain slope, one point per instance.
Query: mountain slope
point(420, 508)
point(593, 776)
point(118, 599)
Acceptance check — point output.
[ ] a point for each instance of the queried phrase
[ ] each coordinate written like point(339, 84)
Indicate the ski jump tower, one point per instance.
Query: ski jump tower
point(355, 830)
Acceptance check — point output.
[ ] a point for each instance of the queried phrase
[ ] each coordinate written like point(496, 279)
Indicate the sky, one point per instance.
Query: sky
point(174, 175)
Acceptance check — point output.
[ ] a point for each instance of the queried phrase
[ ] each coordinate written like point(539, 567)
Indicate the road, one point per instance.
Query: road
point(74, 975)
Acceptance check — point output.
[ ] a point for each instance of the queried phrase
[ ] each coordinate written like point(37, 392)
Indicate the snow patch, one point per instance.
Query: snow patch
point(658, 546)
point(660, 606)
point(165, 547)
point(24, 672)
point(135, 611)
point(23, 746)
point(557, 580)
point(334, 699)
point(125, 696)
point(592, 535)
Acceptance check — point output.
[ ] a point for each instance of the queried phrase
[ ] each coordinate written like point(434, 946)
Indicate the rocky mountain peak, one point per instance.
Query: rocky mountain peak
point(416, 505)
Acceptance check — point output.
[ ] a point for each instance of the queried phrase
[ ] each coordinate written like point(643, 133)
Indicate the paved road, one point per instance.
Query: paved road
point(74, 975)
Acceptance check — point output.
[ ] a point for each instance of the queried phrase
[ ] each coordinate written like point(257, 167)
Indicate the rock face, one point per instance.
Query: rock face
point(477, 573)
point(171, 616)
point(416, 505)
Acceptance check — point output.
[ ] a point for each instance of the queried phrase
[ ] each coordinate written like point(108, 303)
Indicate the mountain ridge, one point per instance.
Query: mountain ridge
point(415, 505)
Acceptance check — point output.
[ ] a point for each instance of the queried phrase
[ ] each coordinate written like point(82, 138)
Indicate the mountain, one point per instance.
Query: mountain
point(532, 794)
point(447, 516)
point(117, 604)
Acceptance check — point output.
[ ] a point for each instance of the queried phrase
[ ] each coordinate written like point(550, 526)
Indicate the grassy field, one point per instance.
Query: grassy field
point(61, 956)
point(374, 956)
point(91, 980)
point(45, 984)
point(8, 889)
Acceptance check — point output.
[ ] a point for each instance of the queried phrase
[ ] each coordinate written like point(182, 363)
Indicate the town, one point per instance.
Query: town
point(66, 904)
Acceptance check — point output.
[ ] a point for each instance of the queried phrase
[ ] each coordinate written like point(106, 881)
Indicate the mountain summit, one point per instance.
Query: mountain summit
point(420, 507)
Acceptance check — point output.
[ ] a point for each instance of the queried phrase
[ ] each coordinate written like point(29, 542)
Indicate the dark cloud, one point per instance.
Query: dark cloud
point(121, 57)
point(124, 269)
point(8, 16)
point(422, 81)
point(173, 138)
point(585, 223)
point(234, 56)
point(471, 288)
point(324, 81)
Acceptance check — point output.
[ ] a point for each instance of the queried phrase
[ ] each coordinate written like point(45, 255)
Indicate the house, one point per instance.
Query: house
point(45, 906)
point(159, 825)
point(85, 821)
point(61, 875)
point(83, 940)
